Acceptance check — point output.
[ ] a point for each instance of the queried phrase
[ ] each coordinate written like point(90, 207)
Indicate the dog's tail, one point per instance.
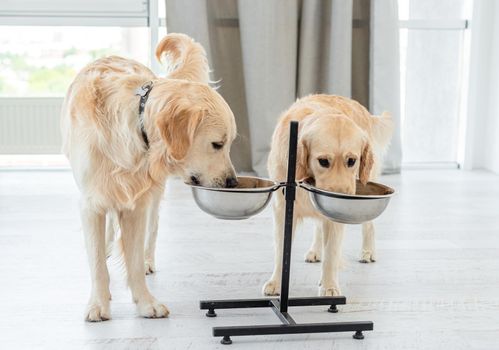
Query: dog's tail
point(383, 129)
point(185, 58)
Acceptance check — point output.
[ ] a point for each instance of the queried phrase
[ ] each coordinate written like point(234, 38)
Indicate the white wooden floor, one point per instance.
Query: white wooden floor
point(435, 285)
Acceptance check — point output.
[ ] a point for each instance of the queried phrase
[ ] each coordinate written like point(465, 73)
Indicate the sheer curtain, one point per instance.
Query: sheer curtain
point(266, 53)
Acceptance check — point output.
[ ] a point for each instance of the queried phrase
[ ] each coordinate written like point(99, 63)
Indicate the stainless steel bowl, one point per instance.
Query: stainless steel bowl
point(249, 198)
point(367, 204)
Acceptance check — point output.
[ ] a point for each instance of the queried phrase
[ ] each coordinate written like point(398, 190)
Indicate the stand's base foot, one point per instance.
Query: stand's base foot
point(333, 309)
point(289, 325)
point(358, 335)
point(295, 328)
point(211, 313)
point(226, 340)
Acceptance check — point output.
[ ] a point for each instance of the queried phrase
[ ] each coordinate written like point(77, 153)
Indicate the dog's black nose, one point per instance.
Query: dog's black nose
point(231, 182)
point(195, 180)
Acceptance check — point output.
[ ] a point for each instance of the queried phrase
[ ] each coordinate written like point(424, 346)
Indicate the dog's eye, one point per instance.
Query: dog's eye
point(324, 162)
point(351, 162)
point(217, 145)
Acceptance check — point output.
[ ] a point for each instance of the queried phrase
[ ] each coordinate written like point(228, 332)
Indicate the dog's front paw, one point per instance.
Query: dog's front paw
point(97, 312)
point(152, 309)
point(367, 257)
point(150, 266)
point(313, 256)
point(271, 287)
point(329, 291)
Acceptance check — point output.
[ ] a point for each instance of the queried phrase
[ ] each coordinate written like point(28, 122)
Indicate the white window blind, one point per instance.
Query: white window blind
point(74, 12)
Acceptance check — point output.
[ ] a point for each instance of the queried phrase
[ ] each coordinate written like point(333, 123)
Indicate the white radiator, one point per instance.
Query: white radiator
point(30, 125)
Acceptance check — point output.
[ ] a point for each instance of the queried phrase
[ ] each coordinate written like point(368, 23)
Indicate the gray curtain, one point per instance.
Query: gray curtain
point(266, 53)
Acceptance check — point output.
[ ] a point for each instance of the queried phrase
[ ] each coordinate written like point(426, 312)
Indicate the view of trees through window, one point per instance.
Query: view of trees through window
point(44, 61)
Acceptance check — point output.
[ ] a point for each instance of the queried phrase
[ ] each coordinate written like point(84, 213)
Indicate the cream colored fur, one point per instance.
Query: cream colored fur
point(119, 177)
point(334, 128)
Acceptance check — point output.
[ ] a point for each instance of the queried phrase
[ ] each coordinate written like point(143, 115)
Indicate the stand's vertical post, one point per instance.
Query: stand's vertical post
point(288, 219)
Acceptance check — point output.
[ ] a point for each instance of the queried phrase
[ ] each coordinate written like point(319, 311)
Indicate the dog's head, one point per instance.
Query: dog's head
point(335, 152)
point(198, 127)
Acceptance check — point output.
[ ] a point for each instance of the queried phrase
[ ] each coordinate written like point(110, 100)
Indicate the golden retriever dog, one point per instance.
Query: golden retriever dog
point(338, 143)
point(121, 158)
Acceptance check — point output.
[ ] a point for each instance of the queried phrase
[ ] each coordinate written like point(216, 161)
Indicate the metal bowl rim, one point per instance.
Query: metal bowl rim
point(306, 186)
point(268, 189)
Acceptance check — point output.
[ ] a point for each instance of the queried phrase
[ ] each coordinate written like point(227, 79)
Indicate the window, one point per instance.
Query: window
point(43, 45)
point(432, 44)
point(42, 61)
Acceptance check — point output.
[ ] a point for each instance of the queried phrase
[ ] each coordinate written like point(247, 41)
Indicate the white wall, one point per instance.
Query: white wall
point(482, 150)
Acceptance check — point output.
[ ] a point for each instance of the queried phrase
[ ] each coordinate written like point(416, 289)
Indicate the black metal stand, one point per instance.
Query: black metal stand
point(280, 305)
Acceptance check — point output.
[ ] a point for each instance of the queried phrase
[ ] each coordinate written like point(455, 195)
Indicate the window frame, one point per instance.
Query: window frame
point(446, 24)
point(147, 16)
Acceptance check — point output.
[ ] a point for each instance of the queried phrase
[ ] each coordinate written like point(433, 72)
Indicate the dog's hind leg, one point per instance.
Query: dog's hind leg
point(151, 234)
point(133, 225)
point(112, 227)
point(94, 223)
point(368, 253)
point(314, 253)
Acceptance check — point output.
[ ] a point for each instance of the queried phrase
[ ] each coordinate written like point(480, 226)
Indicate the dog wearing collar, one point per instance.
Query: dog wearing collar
point(125, 131)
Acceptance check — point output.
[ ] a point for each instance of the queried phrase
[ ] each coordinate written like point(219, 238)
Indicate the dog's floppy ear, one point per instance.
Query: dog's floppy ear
point(177, 124)
point(366, 163)
point(302, 159)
